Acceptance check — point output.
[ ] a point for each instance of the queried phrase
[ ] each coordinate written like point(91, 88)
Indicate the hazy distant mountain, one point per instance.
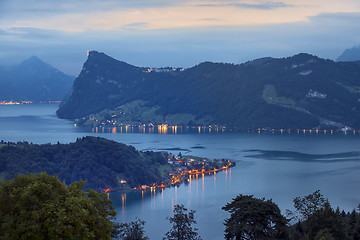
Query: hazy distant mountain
point(352, 54)
point(33, 80)
point(302, 91)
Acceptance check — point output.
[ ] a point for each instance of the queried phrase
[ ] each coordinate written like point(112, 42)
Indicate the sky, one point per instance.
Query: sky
point(178, 33)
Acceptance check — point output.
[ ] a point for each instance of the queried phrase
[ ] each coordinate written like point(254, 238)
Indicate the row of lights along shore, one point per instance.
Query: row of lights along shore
point(167, 129)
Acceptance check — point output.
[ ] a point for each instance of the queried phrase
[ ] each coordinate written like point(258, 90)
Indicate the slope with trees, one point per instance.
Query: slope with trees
point(101, 162)
point(302, 91)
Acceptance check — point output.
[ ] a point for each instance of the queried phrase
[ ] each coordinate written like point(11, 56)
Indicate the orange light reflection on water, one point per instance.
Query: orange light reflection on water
point(203, 183)
point(175, 195)
point(150, 199)
point(123, 201)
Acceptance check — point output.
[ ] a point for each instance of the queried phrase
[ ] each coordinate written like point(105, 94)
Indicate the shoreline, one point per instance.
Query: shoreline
point(180, 175)
point(28, 102)
point(212, 129)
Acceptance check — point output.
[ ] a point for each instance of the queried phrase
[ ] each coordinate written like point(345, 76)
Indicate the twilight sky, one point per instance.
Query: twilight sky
point(181, 33)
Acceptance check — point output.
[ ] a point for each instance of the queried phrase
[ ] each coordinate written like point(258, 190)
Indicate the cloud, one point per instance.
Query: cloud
point(110, 16)
point(45, 7)
point(264, 6)
point(176, 33)
point(83, 15)
point(258, 6)
point(183, 47)
point(210, 19)
point(339, 18)
point(136, 25)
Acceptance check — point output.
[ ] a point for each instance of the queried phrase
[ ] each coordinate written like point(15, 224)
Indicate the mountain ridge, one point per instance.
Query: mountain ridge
point(302, 91)
point(350, 55)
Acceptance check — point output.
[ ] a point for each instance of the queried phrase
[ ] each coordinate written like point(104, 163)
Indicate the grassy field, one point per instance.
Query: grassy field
point(164, 170)
point(270, 96)
point(351, 89)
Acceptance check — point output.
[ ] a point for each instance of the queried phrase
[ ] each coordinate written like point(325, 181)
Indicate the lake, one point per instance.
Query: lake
point(279, 166)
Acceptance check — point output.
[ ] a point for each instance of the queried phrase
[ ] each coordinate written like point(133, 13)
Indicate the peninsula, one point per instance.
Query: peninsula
point(104, 164)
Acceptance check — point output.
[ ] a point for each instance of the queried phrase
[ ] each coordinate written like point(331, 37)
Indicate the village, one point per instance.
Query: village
point(185, 167)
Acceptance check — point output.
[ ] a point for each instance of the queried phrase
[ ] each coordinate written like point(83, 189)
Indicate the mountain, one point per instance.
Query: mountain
point(302, 91)
point(33, 80)
point(349, 55)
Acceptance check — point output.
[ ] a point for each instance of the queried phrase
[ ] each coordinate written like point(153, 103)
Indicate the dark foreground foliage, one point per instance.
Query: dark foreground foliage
point(182, 222)
point(129, 231)
point(254, 218)
point(39, 206)
point(318, 220)
point(313, 219)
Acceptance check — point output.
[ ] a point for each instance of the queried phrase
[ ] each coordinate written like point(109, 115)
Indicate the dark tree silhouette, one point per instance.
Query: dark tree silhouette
point(254, 218)
point(40, 206)
point(182, 225)
point(129, 231)
point(308, 205)
point(318, 218)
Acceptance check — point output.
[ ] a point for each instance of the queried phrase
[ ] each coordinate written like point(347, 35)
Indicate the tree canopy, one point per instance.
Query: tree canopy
point(254, 218)
point(40, 206)
point(129, 231)
point(308, 205)
point(100, 161)
point(317, 219)
point(182, 228)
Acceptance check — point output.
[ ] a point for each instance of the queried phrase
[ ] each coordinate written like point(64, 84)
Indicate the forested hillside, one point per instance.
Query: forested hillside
point(302, 91)
point(103, 163)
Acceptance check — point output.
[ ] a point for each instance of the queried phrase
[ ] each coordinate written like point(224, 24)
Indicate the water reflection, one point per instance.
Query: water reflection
point(168, 129)
point(265, 176)
point(123, 202)
point(169, 197)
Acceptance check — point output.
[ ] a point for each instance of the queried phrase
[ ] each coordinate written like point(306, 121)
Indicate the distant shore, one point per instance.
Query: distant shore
point(4, 102)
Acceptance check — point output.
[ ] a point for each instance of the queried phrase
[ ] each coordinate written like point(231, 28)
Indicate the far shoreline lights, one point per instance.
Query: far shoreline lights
point(4, 102)
point(211, 129)
point(15, 102)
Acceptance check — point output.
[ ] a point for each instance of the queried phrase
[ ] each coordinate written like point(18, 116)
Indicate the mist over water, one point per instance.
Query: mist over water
point(280, 167)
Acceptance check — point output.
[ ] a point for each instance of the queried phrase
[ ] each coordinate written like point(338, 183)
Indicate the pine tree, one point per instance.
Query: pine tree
point(182, 225)
point(254, 218)
point(129, 231)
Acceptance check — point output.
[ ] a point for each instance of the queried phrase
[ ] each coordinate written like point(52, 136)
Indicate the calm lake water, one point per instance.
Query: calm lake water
point(270, 166)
